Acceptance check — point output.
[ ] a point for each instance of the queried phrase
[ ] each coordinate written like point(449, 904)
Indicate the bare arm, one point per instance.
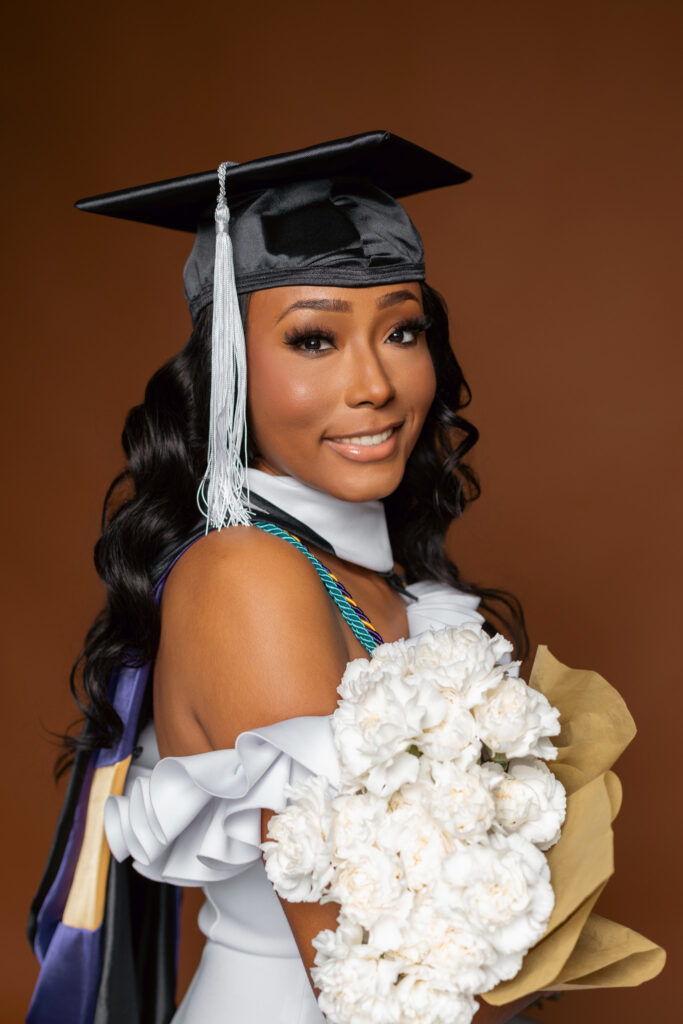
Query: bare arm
point(249, 637)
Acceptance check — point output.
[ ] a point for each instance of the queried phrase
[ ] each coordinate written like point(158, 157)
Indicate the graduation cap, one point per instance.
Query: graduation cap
point(327, 214)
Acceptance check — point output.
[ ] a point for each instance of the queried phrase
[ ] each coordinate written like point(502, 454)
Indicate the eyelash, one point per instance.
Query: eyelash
point(298, 336)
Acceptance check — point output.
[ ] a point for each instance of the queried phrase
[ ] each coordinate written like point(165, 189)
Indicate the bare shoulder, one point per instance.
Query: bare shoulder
point(248, 637)
point(228, 558)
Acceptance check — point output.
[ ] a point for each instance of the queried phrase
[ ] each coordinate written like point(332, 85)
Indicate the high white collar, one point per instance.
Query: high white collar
point(357, 530)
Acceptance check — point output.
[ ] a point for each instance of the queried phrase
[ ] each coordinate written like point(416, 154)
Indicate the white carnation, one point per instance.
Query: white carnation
point(424, 997)
point(455, 738)
point(337, 942)
point(410, 831)
point(415, 793)
point(503, 889)
point(360, 671)
point(358, 817)
point(297, 857)
point(398, 652)
point(461, 801)
point(370, 885)
point(386, 778)
point(529, 800)
point(517, 720)
point(450, 945)
point(373, 734)
point(465, 658)
point(358, 986)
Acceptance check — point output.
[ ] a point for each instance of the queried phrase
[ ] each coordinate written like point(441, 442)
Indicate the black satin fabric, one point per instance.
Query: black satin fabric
point(138, 978)
point(342, 232)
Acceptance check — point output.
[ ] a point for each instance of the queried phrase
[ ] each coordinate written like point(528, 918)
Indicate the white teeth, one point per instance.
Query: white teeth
point(367, 439)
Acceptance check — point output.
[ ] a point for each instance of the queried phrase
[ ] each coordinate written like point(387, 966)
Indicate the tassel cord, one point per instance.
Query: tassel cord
point(220, 495)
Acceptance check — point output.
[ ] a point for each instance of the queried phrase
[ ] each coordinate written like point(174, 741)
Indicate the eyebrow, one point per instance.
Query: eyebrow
point(342, 306)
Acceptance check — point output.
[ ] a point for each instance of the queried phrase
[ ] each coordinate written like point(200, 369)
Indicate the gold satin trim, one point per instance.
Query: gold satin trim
point(85, 902)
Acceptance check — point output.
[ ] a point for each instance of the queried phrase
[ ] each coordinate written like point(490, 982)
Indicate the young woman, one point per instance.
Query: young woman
point(232, 642)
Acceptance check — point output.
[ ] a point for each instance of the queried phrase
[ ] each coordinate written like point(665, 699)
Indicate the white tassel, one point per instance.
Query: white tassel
point(220, 493)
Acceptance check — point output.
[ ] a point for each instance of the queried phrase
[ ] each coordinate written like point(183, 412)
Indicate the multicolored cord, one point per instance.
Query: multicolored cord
point(362, 628)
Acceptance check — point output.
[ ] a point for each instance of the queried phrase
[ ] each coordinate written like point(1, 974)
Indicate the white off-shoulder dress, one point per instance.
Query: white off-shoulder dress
point(196, 821)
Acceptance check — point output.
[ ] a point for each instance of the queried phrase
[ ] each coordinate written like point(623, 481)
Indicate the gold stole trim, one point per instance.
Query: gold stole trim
point(85, 903)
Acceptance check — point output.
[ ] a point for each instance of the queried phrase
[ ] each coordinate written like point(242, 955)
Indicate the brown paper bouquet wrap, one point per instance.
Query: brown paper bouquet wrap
point(580, 949)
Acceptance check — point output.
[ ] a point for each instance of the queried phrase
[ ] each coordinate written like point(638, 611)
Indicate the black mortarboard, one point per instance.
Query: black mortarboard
point(325, 215)
point(322, 215)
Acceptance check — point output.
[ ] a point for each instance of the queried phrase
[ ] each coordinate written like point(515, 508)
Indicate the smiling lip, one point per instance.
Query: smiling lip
point(367, 446)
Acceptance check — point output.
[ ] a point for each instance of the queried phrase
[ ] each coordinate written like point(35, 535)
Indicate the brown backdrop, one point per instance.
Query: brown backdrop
point(560, 262)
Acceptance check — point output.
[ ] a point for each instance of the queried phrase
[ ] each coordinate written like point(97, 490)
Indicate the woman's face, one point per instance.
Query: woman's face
point(340, 381)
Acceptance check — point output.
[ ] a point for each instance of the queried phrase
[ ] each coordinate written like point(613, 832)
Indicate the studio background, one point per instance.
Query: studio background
point(560, 263)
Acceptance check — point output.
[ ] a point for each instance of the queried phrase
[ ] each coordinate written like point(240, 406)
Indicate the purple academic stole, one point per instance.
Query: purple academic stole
point(68, 926)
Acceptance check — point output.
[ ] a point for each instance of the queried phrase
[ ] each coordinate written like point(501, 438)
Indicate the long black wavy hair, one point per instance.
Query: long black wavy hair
point(152, 505)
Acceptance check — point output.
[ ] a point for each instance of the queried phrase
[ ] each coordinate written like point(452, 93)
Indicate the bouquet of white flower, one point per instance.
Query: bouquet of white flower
point(433, 844)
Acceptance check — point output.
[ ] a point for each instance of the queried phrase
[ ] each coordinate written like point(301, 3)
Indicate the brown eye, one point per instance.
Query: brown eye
point(313, 343)
point(311, 339)
point(408, 332)
point(404, 335)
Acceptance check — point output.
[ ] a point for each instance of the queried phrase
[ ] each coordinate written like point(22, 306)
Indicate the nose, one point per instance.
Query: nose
point(369, 381)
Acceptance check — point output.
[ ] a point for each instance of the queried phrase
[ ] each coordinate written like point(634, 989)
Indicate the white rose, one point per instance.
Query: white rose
point(370, 885)
point(298, 855)
point(529, 800)
point(461, 801)
point(423, 1000)
point(372, 735)
point(516, 720)
point(503, 889)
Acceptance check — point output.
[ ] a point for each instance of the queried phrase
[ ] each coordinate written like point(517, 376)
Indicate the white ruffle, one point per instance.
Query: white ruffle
point(439, 605)
point(197, 819)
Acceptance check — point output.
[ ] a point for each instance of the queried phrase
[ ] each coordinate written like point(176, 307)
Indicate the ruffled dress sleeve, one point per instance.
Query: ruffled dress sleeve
point(197, 819)
point(439, 605)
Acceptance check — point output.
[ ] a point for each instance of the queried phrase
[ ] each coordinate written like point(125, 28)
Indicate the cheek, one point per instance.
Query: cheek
point(420, 385)
point(282, 396)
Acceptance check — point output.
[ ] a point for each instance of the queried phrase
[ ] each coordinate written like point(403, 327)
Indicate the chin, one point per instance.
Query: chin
point(366, 484)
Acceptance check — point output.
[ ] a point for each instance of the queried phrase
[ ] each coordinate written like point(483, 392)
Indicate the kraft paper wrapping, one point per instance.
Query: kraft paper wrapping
point(580, 949)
